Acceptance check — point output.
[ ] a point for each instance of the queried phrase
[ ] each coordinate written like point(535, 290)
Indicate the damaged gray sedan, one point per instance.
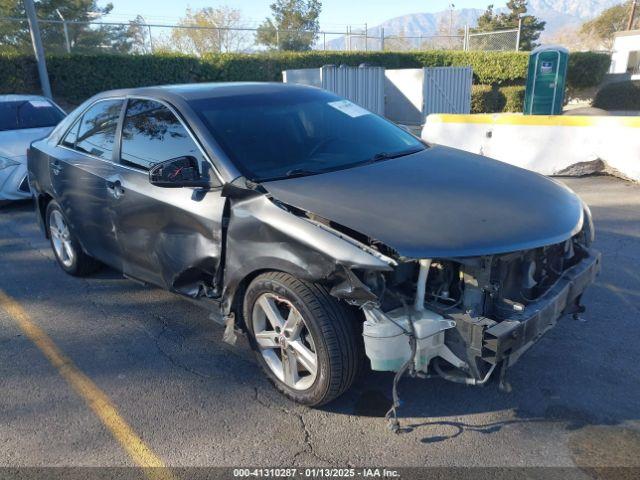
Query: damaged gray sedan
point(328, 234)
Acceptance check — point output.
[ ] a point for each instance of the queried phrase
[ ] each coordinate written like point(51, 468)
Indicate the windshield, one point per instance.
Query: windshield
point(299, 132)
point(20, 114)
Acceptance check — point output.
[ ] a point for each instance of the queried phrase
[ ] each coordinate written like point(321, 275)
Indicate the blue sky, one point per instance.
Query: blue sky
point(335, 13)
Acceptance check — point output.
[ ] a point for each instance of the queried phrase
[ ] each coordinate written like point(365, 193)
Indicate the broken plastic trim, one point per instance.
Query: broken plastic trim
point(463, 380)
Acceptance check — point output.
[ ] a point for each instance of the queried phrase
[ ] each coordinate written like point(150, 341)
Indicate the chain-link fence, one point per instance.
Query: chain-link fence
point(60, 36)
point(503, 40)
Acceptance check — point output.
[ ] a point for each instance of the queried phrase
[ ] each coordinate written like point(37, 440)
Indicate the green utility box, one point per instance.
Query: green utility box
point(546, 81)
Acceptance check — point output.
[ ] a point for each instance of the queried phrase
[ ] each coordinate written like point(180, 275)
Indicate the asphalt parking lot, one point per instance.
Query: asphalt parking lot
point(196, 401)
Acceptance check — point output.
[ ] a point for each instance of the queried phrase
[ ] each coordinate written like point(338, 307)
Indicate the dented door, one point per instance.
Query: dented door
point(168, 236)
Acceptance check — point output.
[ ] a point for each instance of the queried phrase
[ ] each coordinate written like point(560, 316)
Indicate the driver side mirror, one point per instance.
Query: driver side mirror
point(178, 172)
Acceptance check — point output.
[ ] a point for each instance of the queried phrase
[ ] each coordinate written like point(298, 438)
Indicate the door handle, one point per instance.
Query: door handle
point(115, 188)
point(56, 167)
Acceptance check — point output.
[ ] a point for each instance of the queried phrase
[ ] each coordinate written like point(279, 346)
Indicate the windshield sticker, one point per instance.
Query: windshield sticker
point(351, 109)
point(39, 104)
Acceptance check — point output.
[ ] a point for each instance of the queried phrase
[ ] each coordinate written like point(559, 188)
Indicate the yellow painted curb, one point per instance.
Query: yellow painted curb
point(537, 120)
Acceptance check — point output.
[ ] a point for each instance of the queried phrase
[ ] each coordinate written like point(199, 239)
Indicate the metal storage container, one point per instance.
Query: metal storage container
point(362, 85)
point(414, 93)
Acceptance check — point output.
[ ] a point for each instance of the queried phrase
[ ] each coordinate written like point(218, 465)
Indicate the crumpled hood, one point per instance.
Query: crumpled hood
point(14, 143)
point(440, 202)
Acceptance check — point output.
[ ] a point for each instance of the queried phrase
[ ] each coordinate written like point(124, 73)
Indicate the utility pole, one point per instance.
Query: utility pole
point(66, 31)
point(38, 51)
point(632, 15)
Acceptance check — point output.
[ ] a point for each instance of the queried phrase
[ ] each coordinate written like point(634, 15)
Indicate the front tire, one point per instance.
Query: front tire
point(304, 339)
point(66, 248)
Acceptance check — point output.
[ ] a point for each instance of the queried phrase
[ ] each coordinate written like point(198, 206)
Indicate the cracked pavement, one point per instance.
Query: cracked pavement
point(197, 401)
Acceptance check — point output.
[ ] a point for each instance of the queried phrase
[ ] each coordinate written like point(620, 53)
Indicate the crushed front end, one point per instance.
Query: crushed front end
point(459, 318)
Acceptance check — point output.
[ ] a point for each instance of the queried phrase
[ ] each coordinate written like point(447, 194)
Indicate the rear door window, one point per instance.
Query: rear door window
point(97, 131)
point(23, 114)
point(151, 133)
point(70, 138)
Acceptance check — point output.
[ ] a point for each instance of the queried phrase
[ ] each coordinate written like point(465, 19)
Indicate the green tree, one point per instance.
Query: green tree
point(294, 26)
point(14, 35)
point(603, 27)
point(132, 37)
point(532, 27)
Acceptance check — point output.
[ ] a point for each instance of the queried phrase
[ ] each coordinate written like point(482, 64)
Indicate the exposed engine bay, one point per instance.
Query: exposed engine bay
point(461, 318)
point(462, 309)
point(464, 315)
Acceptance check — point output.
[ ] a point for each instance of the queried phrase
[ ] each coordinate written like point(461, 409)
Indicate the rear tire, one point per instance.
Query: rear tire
point(326, 333)
point(68, 252)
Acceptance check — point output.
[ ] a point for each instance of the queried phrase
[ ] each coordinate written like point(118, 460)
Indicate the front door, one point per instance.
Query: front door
point(168, 236)
point(80, 173)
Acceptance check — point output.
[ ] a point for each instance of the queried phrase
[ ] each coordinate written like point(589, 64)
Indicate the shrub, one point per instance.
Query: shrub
point(495, 99)
point(486, 99)
point(619, 96)
point(78, 76)
point(488, 67)
point(587, 69)
point(18, 74)
point(514, 97)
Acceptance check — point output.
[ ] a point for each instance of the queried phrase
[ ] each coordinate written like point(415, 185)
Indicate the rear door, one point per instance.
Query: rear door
point(81, 171)
point(168, 236)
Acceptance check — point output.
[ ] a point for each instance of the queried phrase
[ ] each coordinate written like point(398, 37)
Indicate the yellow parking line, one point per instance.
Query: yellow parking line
point(95, 398)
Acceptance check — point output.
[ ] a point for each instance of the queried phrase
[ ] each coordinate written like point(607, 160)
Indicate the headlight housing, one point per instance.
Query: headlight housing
point(7, 162)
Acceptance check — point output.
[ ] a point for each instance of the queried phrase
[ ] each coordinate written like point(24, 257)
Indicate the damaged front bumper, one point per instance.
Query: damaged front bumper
point(510, 338)
point(473, 344)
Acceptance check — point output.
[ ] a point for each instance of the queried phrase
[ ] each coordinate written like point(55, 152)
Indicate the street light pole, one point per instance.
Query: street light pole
point(451, 6)
point(38, 51)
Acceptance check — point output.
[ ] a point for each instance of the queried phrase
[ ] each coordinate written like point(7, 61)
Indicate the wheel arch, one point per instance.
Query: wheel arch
point(42, 202)
point(234, 294)
point(236, 286)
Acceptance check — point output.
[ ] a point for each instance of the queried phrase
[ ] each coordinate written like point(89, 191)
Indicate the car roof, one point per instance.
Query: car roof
point(21, 98)
point(194, 91)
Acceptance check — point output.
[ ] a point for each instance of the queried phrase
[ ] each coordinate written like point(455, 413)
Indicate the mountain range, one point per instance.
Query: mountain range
point(559, 15)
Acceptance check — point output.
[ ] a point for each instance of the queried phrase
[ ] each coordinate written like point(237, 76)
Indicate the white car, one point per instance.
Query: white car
point(23, 119)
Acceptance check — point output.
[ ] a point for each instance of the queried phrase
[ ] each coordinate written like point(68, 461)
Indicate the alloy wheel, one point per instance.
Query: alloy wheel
point(61, 239)
point(285, 341)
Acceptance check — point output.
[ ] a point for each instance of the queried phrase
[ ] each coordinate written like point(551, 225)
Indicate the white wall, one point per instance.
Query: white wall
point(404, 95)
point(622, 46)
point(543, 144)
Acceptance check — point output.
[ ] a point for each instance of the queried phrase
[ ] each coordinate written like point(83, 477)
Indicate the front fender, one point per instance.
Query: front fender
point(263, 236)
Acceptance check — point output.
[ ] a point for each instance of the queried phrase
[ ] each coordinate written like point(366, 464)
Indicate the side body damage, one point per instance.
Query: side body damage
point(472, 312)
point(262, 234)
point(455, 317)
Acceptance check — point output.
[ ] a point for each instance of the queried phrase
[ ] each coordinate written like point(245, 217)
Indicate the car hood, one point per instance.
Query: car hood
point(440, 202)
point(14, 143)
